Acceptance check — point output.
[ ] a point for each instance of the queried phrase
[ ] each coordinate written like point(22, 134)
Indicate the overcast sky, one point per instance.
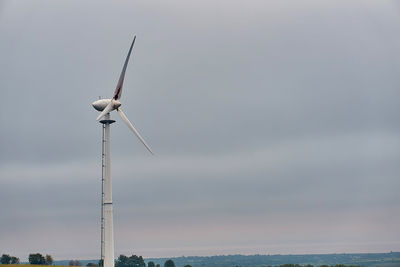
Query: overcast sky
point(275, 126)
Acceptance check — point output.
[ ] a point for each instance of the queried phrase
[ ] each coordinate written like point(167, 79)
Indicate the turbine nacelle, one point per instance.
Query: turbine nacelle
point(101, 104)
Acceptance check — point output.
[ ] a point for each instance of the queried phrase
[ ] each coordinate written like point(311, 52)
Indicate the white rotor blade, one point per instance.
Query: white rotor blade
point(118, 89)
point(133, 129)
point(106, 110)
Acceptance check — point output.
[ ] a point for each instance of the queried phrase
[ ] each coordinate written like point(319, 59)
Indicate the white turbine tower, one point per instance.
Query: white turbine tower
point(106, 106)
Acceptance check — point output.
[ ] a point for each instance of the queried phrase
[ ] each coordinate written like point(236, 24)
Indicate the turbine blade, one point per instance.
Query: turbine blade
point(133, 129)
point(118, 89)
point(106, 110)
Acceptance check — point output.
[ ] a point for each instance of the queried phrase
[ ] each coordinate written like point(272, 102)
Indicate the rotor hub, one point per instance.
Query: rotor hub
point(117, 104)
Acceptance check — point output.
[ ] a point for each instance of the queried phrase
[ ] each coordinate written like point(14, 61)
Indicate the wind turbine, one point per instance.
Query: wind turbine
point(106, 106)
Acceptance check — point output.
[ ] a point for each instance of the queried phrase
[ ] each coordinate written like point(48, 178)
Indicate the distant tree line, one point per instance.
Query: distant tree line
point(7, 259)
point(308, 265)
point(132, 261)
point(35, 258)
point(75, 263)
point(138, 261)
